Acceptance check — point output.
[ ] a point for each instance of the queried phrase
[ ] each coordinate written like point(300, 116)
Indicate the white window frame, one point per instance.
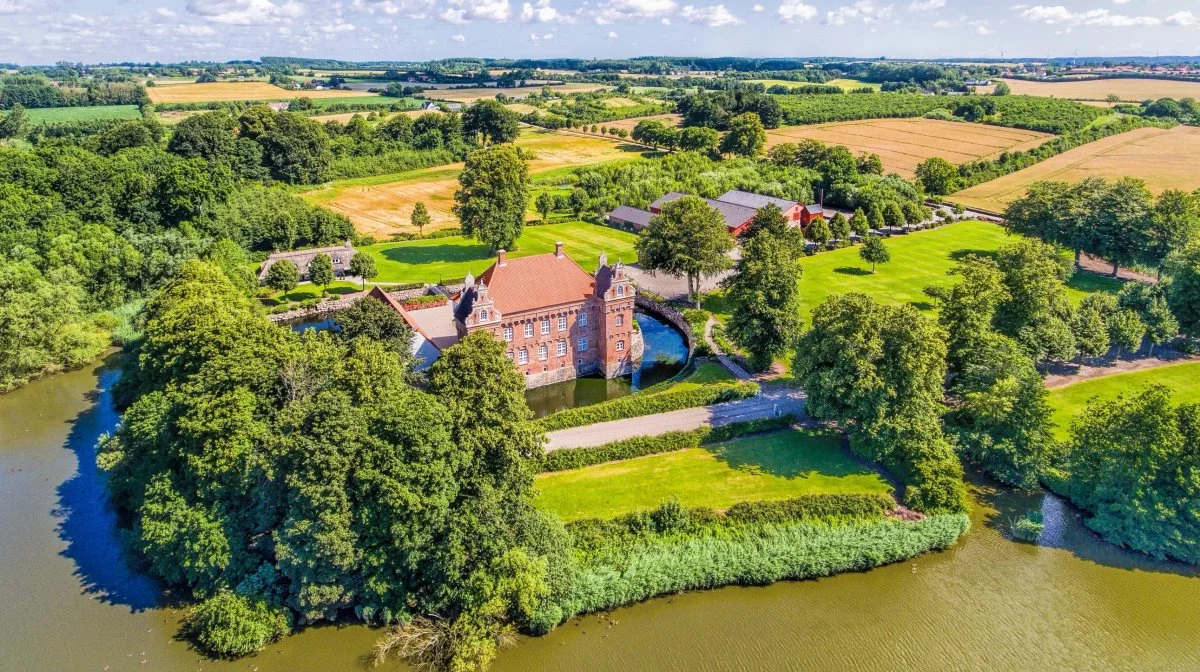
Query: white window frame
point(620, 290)
point(528, 330)
point(582, 319)
point(522, 356)
point(483, 314)
point(561, 348)
point(581, 345)
point(562, 322)
point(543, 352)
point(546, 326)
point(508, 334)
point(620, 346)
point(620, 320)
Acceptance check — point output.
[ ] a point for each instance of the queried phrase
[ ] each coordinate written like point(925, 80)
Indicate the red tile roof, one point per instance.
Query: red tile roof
point(539, 281)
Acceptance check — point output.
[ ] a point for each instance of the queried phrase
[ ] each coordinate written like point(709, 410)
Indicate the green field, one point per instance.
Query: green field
point(89, 113)
point(846, 84)
point(449, 259)
point(308, 291)
point(850, 84)
point(366, 99)
point(918, 261)
point(1183, 379)
point(764, 467)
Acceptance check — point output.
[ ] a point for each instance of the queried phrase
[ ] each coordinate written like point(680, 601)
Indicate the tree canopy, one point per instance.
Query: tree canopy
point(687, 239)
point(492, 196)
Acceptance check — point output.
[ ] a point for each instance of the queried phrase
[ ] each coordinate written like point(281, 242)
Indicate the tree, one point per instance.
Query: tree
point(420, 218)
point(746, 136)
point(1122, 223)
point(818, 231)
point(320, 271)
point(1130, 466)
point(371, 318)
point(859, 223)
point(209, 136)
point(1161, 325)
point(1183, 293)
point(1002, 89)
point(770, 221)
point(874, 251)
point(938, 176)
point(492, 121)
point(698, 139)
point(968, 308)
point(283, 276)
point(875, 219)
point(1175, 223)
point(839, 227)
point(125, 136)
point(1038, 314)
point(579, 202)
point(545, 205)
point(228, 625)
point(763, 291)
point(687, 239)
point(1126, 330)
point(363, 265)
point(1089, 326)
point(15, 123)
point(492, 196)
point(297, 150)
point(893, 215)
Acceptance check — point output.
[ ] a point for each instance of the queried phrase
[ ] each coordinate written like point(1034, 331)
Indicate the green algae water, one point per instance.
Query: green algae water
point(69, 601)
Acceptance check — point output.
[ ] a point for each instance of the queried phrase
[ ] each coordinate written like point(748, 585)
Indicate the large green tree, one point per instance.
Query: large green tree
point(320, 271)
point(209, 136)
point(297, 150)
point(491, 121)
point(687, 239)
point(492, 196)
point(874, 251)
point(746, 136)
point(765, 320)
point(1183, 293)
point(938, 176)
point(1038, 312)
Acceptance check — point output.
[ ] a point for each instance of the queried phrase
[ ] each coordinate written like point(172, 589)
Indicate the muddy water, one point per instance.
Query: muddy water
point(69, 602)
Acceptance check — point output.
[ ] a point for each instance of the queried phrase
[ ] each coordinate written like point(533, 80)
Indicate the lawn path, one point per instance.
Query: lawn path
point(769, 403)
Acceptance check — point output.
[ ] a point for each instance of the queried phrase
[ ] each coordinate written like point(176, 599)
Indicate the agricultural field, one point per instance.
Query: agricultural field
point(521, 108)
point(851, 84)
point(437, 259)
point(225, 91)
point(668, 120)
point(1133, 90)
point(87, 113)
point(1068, 401)
point(1165, 159)
point(473, 94)
point(905, 143)
point(918, 261)
point(381, 206)
point(358, 98)
point(764, 467)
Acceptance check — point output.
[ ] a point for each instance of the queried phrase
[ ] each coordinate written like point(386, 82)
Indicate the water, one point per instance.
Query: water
point(68, 601)
point(665, 355)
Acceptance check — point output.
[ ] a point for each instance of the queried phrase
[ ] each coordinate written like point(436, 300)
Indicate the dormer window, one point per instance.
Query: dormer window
point(620, 290)
point(483, 315)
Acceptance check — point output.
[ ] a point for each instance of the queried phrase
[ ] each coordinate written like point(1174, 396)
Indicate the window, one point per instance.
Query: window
point(542, 352)
point(509, 354)
point(620, 320)
point(522, 356)
point(508, 334)
point(562, 323)
point(620, 346)
point(583, 319)
point(528, 330)
point(483, 315)
point(545, 327)
point(620, 290)
point(581, 345)
point(562, 348)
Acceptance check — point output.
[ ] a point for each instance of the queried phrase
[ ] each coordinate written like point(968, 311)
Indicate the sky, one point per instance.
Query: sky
point(45, 31)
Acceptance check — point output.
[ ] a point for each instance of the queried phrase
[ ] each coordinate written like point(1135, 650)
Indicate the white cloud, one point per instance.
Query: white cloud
point(1057, 14)
point(863, 10)
point(612, 35)
point(165, 13)
point(981, 27)
point(666, 21)
point(758, 8)
point(244, 12)
point(926, 5)
point(713, 16)
point(459, 38)
point(796, 10)
point(465, 11)
point(534, 37)
point(338, 26)
point(631, 10)
point(1184, 18)
point(941, 24)
point(543, 12)
point(412, 9)
point(9, 7)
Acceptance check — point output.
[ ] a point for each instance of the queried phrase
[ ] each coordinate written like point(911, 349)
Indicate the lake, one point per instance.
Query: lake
point(68, 600)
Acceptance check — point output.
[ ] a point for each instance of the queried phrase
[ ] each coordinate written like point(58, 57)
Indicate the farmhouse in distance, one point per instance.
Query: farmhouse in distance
point(736, 207)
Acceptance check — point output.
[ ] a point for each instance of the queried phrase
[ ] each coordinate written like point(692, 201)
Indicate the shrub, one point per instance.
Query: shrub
point(227, 625)
point(814, 507)
point(698, 321)
point(641, 404)
point(1028, 527)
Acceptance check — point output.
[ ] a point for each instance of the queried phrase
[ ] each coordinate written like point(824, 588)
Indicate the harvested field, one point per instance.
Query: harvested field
point(83, 113)
point(1134, 90)
point(382, 206)
point(474, 94)
point(521, 108)
point(218, 91)
point(669, 120)
point(1165, 159)
point(905, 143)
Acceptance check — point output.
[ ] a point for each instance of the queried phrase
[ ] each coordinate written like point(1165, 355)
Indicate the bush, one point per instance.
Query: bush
point(814, 507)
point(642, 404)
point(563, 460)
point(698, 320)
point(1029, 526)
point(228, 625)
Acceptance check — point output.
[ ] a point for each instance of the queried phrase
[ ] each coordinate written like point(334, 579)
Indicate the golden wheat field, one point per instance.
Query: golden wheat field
point(905, 143)
point(1135, 90)
point(217, 91)
point(1165, 159)
point(473, 94)
point(382, 206)
point(669, 120)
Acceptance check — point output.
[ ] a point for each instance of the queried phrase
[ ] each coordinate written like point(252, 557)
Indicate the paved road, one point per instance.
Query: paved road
point(768, 404)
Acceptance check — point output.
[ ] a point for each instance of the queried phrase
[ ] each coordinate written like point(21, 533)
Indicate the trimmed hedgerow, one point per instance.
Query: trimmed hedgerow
point(816, 507)
point(641, 404)
point(576, 458)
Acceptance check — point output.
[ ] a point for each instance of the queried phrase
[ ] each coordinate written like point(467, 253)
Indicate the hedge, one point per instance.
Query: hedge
point(562, 460)
point(637, 405)
point(813, 507)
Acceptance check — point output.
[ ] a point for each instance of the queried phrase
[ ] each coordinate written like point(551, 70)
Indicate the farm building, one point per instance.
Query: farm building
point(340, 256)
point(737, 207)
point(632, 218)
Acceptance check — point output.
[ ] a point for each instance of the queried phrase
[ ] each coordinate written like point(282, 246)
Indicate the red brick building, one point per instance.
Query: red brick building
point(557, 320)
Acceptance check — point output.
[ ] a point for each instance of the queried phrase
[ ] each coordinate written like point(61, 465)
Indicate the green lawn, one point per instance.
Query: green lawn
point(308, 291)
point(365, 99)
point(918, 261)
point(449, 259)
point(1183, 379)
point(851, 84)
point(764, 467)
point(89, 113)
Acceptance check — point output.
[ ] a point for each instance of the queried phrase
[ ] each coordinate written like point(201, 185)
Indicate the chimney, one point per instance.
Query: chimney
point(501, 258)
point(558, 252)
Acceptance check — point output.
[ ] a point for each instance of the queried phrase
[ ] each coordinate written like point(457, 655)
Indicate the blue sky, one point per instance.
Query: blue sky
point(44, 31)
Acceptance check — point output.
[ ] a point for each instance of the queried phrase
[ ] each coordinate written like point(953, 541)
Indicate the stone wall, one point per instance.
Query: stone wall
point(326, 308)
